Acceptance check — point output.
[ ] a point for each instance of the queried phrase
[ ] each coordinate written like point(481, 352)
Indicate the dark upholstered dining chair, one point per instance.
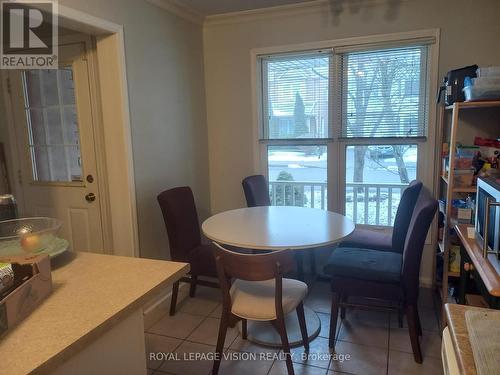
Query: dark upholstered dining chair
point(370, 239)
point(256, 191)
point(253, 288)
point(384, 275)
point(184, 237)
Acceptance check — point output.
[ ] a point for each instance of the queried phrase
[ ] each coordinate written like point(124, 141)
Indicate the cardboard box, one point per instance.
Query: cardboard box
point(32, 284)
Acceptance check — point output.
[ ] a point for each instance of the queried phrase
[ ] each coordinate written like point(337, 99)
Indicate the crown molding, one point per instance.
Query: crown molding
point(180, 10)
point(315, 6)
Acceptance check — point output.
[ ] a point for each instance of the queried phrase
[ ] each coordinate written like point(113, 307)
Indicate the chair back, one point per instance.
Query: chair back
point(252, 267)
point(421, 220)
point(255, 267)
point(404, 214)
point(256, 191)
point(181, 221)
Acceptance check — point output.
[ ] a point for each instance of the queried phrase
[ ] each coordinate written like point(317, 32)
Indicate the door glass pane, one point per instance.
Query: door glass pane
point(67, 85)
point(375, 178)
point(298, 176)
point(50, 91)
point(54, 138)
point(54, 127)
point(40, 159)
point(37, 131)
point(32, 78)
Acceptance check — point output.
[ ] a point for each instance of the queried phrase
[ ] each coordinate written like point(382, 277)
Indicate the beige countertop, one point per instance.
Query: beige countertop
point(91, 293)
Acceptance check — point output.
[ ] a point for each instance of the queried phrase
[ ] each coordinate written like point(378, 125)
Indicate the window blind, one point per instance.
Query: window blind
point(384, 93)
point(295, 95)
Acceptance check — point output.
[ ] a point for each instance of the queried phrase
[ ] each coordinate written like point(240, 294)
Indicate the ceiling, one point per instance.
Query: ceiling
point(210, 7)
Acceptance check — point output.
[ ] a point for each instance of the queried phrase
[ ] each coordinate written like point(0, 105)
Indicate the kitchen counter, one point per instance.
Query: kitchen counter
point(95, 303)
point(455, 317)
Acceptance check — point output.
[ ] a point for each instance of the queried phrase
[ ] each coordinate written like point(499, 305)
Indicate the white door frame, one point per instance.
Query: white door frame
point(111, 70)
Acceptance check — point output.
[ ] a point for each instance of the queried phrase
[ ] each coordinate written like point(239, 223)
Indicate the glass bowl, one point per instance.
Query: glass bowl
point(28, 235)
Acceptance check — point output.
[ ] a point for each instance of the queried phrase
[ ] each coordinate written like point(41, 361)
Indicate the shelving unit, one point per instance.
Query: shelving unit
point(459, 123)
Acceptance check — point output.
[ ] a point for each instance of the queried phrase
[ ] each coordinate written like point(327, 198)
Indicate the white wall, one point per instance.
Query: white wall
point(164, 57)
point(470, 31)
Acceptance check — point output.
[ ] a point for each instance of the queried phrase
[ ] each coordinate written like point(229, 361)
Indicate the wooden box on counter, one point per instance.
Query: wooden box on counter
point(32, 284)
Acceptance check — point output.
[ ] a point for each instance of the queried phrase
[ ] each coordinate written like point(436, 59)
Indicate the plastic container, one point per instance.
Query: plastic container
point(482, 92)
point(467, 151)
point(464, 162)
point(463, 177)
point(492, 80)
point(459, 210)
point(488, 71)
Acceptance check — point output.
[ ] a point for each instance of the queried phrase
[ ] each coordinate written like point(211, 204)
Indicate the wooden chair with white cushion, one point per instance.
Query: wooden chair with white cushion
point(253, 288)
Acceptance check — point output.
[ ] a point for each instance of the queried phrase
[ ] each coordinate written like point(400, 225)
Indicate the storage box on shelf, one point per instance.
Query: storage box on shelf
point(485, 87)
point(461, 210)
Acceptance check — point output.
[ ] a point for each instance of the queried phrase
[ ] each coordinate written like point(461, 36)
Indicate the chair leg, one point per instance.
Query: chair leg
point(400, 317)
point(280, 324)
point(333, 320)
point(343, 308)
point(192, 287)
point(312, 260)
point(220, 342)
point(244, 329)
point(413, 330)
point(173, 300)
point(303, 326)
point(419, 323)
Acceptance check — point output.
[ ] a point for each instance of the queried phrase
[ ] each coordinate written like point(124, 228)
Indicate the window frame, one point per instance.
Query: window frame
point(336, 145)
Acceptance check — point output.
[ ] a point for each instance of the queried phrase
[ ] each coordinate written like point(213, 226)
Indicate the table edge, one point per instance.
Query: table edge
point(277, 248)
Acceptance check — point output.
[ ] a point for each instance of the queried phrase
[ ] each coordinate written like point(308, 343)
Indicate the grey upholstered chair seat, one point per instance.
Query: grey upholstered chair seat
point(365, 264)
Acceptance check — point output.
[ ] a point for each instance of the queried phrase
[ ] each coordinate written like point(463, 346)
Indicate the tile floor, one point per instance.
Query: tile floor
point(372, 339)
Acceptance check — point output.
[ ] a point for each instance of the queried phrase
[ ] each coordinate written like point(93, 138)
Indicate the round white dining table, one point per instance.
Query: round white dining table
point(273, 228)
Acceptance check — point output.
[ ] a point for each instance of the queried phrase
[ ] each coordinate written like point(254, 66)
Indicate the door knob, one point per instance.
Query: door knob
point(90, 197)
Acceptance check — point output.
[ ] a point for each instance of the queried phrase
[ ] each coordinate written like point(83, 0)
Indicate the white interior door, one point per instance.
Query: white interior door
point(54, 131)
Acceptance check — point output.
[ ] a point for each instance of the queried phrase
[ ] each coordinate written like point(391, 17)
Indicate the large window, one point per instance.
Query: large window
point(363, 110)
